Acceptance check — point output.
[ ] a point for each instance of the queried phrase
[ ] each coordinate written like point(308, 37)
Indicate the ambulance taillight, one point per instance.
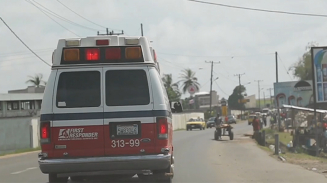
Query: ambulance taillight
point(45, 131)
point(162, 127)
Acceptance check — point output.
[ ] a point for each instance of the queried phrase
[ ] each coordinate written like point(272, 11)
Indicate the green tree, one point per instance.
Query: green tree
point(235, 97)
point(171, 88)
point(302, 68)
point(36, 80)
point(188, 79)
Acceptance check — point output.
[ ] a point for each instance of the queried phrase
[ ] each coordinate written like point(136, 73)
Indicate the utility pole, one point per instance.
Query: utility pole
point(239, 88)
point(259, 91)
point(270, 95)
point(276, 57)
point(277, 103)
point(264, 99)
point(211, 62)
point(142, 29)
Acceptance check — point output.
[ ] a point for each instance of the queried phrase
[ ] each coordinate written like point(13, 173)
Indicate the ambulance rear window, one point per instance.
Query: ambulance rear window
point(79, 89)
point(127, 87)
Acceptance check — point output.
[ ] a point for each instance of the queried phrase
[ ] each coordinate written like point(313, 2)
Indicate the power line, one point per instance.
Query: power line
point(204, 84)
point(220, 88)
point(80, 15)
point(84, 17)
point(24, 52)
point(20, 58)
point(284, 66)
point(24, 43)
point(171, 63)
point(61, 17)
point(54, 19)
point(261, 10)
point(225, 77)
point(231, 56)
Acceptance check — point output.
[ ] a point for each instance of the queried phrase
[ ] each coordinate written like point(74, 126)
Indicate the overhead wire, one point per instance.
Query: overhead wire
point(53, 19)
point(24, 42)
point(261, 10)
point(20, 58)
point(204, 84)
point(61, 17)
point(25, 52)
point(284, 66)
point(84, 17)
point(231, 56)
point(221, 88)
point(225, 77)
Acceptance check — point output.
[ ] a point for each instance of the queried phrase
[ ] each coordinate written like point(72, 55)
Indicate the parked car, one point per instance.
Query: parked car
point(195, 123)
point(231, 119)
point(211, 122)
point(265, 112)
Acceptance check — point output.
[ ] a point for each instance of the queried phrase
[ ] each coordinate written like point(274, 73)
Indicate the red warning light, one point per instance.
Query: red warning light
point(92, 54)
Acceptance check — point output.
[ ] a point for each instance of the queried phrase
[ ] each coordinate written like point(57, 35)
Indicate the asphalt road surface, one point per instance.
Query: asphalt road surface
point(198, 158)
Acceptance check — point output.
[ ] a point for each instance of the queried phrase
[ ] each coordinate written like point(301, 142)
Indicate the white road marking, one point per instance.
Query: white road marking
point(27, 169)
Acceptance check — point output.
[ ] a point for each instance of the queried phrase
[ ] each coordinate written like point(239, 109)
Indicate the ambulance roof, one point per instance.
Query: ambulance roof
point(103, 49)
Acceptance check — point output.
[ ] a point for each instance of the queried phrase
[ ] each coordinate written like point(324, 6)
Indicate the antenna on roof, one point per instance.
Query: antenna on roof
point(110, 33)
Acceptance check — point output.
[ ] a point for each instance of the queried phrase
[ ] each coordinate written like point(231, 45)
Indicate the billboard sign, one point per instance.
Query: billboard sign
point(319, 55)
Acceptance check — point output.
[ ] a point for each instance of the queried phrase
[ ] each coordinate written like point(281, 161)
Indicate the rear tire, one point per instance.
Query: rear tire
point(161, 176)
point(216, 135)
point(53, 178)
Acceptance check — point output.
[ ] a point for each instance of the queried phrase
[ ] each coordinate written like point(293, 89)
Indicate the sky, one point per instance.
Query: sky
point(184, 34)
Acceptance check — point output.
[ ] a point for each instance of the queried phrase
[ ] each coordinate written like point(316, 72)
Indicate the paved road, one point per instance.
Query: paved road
point(198, 159)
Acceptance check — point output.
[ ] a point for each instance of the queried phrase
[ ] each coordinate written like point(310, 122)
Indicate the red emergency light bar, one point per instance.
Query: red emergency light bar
point(84, 55)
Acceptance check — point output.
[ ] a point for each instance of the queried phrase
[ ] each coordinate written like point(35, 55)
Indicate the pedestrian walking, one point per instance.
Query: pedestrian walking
point(256, 126)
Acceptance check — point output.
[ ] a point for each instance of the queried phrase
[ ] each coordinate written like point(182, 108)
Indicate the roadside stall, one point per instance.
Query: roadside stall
point(302, 121)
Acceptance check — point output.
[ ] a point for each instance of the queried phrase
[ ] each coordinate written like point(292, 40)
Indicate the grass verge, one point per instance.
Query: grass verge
point(284, 137)
point(21, 151)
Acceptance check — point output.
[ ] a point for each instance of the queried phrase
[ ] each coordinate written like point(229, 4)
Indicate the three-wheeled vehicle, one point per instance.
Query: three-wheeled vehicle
point(225, 127)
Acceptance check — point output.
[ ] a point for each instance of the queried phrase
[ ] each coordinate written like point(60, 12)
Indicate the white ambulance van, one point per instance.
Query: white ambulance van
point(105, 111)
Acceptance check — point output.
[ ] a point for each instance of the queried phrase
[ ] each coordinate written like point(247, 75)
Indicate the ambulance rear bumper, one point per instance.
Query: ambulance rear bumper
point(94, 164)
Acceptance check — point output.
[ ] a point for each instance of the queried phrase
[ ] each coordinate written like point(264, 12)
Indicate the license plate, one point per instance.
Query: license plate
point(127, 129)
point(193, 125)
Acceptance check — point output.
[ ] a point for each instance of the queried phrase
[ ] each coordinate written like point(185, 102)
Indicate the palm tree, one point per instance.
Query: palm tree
point(189, 79)
point(171, 88)
point(36, 80)
point(168, 82)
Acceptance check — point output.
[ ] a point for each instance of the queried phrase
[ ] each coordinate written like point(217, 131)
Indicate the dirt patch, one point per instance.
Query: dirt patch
point(312, 163)
point(309, 162)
